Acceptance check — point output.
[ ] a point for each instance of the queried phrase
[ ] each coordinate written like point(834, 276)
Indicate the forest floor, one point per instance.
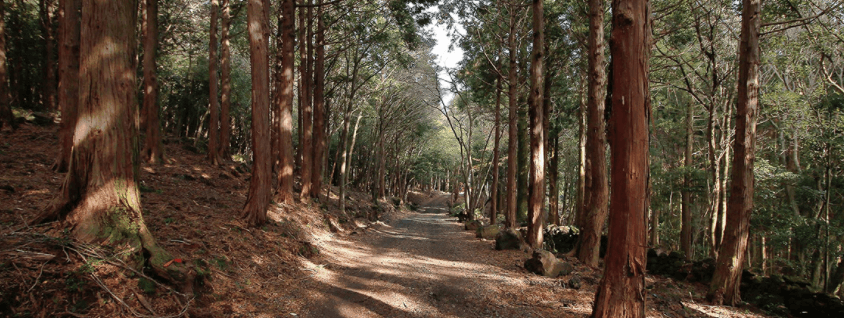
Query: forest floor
point(311, 260)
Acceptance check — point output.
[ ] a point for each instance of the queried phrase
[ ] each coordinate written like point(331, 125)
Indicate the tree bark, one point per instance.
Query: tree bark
point(536, 215)
point(319, 105)
point(724, 288)
point(513, 137)
point(213, 118)
point(307, 111)
point(285, 91)
point(621, 290)
point(152, 146)
point(6, 116)
point(99, 200)
point(260, 185)
point(48, 90)
point(686, 213)
point(225, 83)
point(68, 93)
point(596, 194)
point(493, 209)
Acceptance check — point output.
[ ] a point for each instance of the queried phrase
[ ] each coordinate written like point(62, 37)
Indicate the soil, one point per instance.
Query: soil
point(374, 260)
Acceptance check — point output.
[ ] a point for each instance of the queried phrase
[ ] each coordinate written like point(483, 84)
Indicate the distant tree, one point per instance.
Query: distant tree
point(512, 118)
point(596, 192)
point(99, 199)
point(214, 116)
point(622, 286)
point(319, 138)
point(152, 146)
point(225, 82)
point(305, 108)
point(727, 278)
point(6, 116)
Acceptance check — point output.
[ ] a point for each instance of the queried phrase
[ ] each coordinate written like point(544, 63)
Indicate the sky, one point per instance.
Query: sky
point(445, 58)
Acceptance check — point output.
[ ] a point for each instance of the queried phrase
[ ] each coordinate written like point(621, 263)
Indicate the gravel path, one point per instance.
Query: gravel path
point(422, 264)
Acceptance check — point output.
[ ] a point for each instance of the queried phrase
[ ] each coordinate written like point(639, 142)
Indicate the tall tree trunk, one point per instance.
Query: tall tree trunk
point(523, 189)
point(716, 223)
point(152, 146)
point(260, 185)
point(493, 209)
point(686, 214)
point(225, 83)
point(213, 119)
point(285, 91)
point(513, 137)
point(553, 187)
point(726, 280)
point(620, 293)
point(48, 90)
point(536, 215)
point(319, 105)
point(596, 189)
point(68, 93)
point(307, 111)
point(6, 116)
point(581, 166)
point(99, 199)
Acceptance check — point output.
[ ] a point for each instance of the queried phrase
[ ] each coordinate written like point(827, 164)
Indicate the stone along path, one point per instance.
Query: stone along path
point(422, 264)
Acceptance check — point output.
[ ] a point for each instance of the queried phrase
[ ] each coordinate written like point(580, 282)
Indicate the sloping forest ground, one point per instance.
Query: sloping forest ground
point(309, 261)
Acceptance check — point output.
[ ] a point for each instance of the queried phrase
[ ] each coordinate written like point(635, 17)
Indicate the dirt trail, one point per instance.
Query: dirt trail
point(423, 265)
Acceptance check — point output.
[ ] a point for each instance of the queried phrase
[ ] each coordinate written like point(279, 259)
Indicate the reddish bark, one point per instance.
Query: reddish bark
point(99, 200)
point(225, 83)
point(596, 191)
point(307, 111)
point(260, 185)
point(620, 292)
point(68, 93)
point(513, 137)
point(152, 146)
point(724, 288)
point(285, 91)
point(536, 204)
point(214, 117)
point(319, 106)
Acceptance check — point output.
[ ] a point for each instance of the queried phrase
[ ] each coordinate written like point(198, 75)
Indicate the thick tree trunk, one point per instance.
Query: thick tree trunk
point(213, 119)
point(513, 136)
point(285, 91)
point(686, 214)
point(99, 199)
point(493, 209)
point(536, 215)
point(152, 146)
point(225, 83)
point(260, 185)
point(307, 111)
point(621, 290)
point(319, 106)
point(68, 93)
point(595, 207)
point(724, 288)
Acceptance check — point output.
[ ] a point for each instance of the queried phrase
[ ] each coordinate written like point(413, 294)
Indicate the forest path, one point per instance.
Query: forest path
point(422, 264)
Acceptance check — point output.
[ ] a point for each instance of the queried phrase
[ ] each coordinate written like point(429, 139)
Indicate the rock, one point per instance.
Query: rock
point(561, 239)
point(546, 264)
point(574, 282)
point(488, 232)
point(473, 225)
point(509, 239)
